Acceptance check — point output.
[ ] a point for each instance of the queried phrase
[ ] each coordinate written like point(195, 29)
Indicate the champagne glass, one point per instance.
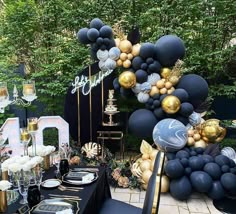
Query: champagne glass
point(38, 174)
point(23, 185)
point(25, 139)
point(32, 129)
point(56, 160)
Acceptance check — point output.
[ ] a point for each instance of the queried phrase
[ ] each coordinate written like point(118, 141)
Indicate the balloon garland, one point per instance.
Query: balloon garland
point(171, 111)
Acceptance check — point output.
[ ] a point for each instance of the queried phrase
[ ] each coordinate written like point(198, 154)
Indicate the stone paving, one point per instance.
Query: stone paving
point(197, 204)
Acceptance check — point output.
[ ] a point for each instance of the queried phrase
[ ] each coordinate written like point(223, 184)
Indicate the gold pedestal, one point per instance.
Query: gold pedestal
point(3, 201)
point(5, 175)
point(46, 162)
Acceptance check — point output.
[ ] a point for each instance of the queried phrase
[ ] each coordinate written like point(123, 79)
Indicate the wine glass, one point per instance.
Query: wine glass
point(38, 175)
point(23, 185)
point(56, 161)
point(25, 139)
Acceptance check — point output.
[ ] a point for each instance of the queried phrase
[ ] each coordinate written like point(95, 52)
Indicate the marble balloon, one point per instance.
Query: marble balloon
point(195, 119)
point(170, 135)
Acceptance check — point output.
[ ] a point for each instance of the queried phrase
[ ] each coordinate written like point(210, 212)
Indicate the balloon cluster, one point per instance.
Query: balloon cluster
point(190, 169)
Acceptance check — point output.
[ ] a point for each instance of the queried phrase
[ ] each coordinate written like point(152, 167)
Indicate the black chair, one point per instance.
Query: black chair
point(112, 206)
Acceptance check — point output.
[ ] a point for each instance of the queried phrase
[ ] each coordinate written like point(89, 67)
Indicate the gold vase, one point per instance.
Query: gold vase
point(5, 175)
point(3, 201)
point(46, 162)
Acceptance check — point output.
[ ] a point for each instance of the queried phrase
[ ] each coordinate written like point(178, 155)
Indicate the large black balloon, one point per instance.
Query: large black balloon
point(222, 160)
point(96, 23)
point(142, 122)
point(186, 109)
point(169, 49)
point(228, 180)
point(213, 170)
point(141, 76)
point(106, 31)
point(82, 36)
point(196, 163)
point(174, 169)
point(181, 188)
point(137, 62)
point(201, 181)
point(92, 34)
point(147, 50)
point(217, 191)
point(196, 87)
point(181, 94)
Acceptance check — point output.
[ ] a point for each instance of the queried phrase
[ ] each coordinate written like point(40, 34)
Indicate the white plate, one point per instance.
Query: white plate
point(51, 183)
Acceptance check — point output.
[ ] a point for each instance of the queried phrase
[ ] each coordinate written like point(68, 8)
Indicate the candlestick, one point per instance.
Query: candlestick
point(32, 128)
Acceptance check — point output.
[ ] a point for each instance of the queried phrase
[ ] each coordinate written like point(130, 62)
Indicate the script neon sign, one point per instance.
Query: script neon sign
point(86, 83)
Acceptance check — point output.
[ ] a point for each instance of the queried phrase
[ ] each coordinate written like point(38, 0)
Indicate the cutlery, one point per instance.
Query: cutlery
point(85, 169)
point(76, 188)
point(68, 189)
point(67, 196)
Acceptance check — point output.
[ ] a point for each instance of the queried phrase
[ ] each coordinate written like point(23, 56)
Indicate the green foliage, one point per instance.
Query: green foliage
point(228, 142)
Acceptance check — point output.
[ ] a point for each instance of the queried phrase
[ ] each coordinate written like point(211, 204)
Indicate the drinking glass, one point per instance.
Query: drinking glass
point(29, 91)
point(25, 139)
point(13, 178)
point(32, 128)
point(23, 184)
point(56, 160)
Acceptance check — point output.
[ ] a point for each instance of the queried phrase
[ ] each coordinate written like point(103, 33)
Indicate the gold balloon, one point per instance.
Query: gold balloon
point(125, 46)
point(127, 79)
point(146, 175)
point(174, 80)
point(154, 90)
point(145, 165)
point(119, 62)
point(212, 132)
point(117, 41)
point(200, 143)
point(190, 141)
point(165, 72)
point(165, 184)
point(170, 104)
point(127, 63)
point(136, 50)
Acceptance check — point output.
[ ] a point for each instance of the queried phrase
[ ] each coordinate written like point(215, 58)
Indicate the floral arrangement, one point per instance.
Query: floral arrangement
point(42, 150)
point(5, 185)
point(18, 163)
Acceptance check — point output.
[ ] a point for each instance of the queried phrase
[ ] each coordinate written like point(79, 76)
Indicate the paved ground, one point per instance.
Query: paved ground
point(197, 204)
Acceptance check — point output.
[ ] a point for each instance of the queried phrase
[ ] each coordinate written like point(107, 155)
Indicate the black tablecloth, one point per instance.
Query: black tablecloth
point(93, 195)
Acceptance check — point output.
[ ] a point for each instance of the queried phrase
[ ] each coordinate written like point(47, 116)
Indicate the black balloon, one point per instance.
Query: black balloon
point(213, 170)
point(142, 122)
point(159, 113)
point(92, 34)
point(137, 62)
point(149, 60)
point(96, 23)
point(125, 93)
point(170, 156)
point(181, 188)
point(156, 96)
point(182, 154)
point(169, 49)
point(196, 87)
point(155, 67)
point(199, 150)
point(193, 153)
point(187, 171)
point(156, 103)
point(106, 31)
point(181, 94)
point(99, 41)
point(201, 181)
point(141, 76)
point(217, 191)
point(225, 168)
point(228, 180)
point(184, 162)
point(144, 66)
point(147, 50)
point(196, 163)
point(174, 169)
point(182, 119)
point(116, 84)
point(231, 163)
point(222, 160)
point(162, 97)
point(186, 109)
point(82, 36)
point(207, 158)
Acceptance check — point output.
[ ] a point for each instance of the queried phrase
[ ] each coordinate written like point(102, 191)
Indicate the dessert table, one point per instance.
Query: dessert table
point(93, 195)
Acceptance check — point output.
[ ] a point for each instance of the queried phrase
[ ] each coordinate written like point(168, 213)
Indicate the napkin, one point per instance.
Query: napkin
point(67, 211)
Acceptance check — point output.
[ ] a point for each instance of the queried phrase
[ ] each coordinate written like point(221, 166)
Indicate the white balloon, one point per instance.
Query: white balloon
point(101, 65)
point(229, 152)
point(110, 64)
point(137, 88)
point(143, 97)
point(146, 87)
point(102, 55)
point(153, 78)
point(114, 53)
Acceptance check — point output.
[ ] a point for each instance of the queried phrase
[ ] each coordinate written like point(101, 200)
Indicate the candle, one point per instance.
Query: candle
point(25, 136)
point(3, 93)
point(32, 126)
point(28, 89)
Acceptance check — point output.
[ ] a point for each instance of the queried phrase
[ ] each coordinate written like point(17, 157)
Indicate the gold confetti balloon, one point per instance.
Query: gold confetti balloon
point(127, 79)
point(170, 104)
point(165, 72)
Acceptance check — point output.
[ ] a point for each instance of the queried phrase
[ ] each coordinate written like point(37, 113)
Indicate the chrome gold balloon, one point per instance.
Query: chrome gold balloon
point(165, 72)
point(170, 104)
point(127, 79)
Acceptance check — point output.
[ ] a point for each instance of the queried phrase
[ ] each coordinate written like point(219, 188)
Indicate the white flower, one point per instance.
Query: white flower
point(14, 167)
point(4, 167)
point(5, 185)
point(23, 159)
point(27, 167)
point(42, 150)
point(37, 159)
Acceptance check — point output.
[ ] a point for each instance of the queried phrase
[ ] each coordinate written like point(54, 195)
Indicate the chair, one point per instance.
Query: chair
point(112, 206)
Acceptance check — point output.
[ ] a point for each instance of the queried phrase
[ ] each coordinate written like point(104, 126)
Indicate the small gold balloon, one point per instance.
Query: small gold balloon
point(190, 141)
point(127, 79)
point(170, 104)
point(154, 90)
point(165, 72)
point(127, 63)
point(125, 46)
point(165, 184)
point(136, 50)
point(174, 80)
point(123, 56)
point(130, 56)
point(168, 85)
point(163, 91)
point(160, 84)
point(119, 62)
point(200, 143)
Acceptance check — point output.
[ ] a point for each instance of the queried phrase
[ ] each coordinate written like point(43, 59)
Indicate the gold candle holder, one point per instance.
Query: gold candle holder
point(46, 162)
point(29, 88)
point(5, 175)
point(3, 201)
point(32, 126)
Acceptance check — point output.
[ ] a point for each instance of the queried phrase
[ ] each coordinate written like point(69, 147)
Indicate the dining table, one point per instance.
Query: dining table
point(92, 195)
